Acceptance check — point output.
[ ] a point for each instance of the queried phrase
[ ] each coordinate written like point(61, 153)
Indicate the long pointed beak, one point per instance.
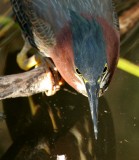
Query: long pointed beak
point(92, 91)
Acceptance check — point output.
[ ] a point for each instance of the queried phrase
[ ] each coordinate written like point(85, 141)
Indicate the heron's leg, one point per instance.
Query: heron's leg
point(22, 59)
point(54, 80)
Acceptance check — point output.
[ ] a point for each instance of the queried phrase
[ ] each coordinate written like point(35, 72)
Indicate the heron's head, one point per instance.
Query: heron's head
point(86, 57)
point(90, 59)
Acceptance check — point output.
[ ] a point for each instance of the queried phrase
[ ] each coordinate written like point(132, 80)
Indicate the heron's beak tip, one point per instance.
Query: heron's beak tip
point(92, 91)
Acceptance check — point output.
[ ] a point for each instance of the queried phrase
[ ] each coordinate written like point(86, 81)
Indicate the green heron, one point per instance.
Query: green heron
point(80, 36)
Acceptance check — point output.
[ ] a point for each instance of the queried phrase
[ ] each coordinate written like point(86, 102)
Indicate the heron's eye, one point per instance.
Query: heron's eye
point(105, 69)
point(78, 72)
point(103, 76)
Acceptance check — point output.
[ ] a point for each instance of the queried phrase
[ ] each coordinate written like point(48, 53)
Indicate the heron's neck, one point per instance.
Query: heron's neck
point(63, 56)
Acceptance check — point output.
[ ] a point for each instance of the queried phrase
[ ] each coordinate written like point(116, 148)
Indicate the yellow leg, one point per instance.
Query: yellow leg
point(22, 59)
point(25, 63)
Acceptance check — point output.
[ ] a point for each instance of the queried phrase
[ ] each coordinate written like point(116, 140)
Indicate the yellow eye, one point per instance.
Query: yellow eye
point(102, 77)
point(78, 72)
point(80, 75)
point(105, 68)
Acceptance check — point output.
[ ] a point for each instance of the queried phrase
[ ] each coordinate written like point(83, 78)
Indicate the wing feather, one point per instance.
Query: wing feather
point(42, 19)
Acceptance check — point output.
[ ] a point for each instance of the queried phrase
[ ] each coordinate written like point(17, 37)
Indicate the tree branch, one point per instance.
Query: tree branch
point(40, 79)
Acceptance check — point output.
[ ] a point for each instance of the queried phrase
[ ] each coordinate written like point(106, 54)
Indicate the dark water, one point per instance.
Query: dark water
point(61, 124)
point(123, 100)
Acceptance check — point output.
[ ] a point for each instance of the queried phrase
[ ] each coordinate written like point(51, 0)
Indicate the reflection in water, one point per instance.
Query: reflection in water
point(58, 125)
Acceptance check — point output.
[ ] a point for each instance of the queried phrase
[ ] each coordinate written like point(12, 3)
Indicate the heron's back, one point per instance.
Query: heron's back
point(47, 17)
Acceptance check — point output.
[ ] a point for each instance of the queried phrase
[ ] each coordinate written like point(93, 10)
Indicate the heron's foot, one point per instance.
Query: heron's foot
point(54, 79)
point(23, 61)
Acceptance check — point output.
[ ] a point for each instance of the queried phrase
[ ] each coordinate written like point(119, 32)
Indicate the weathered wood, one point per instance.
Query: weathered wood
point(37, 80)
